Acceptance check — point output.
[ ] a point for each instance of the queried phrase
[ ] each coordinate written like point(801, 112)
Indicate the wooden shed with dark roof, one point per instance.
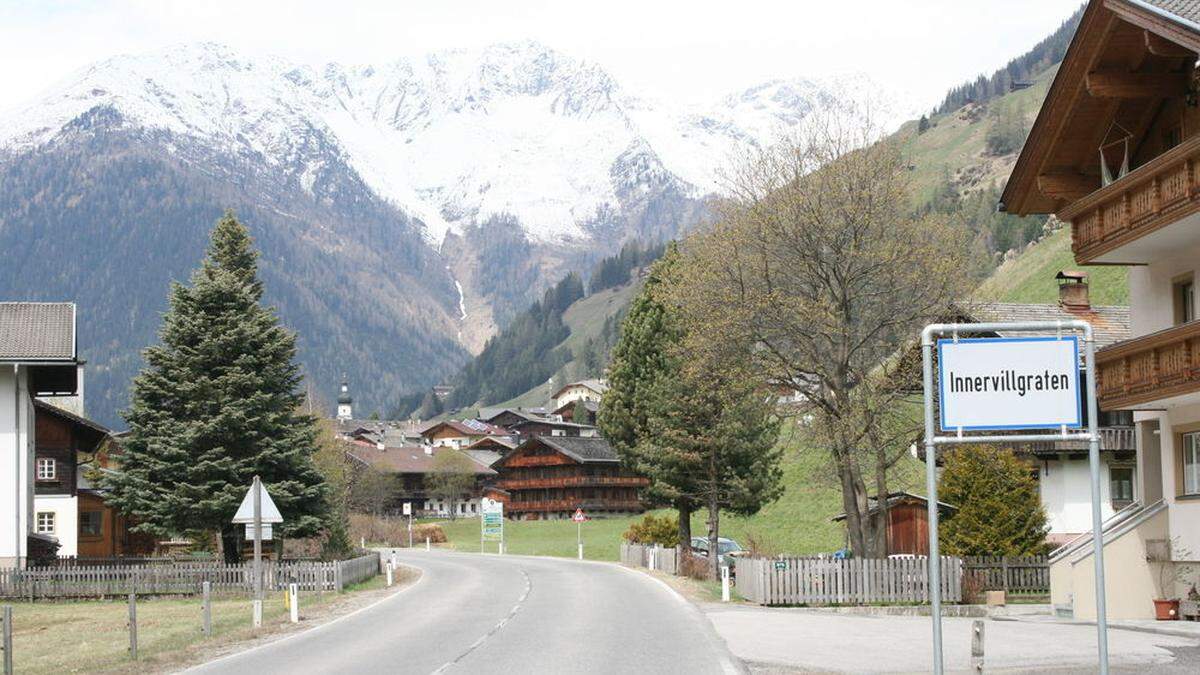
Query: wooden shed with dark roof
point(549, 477)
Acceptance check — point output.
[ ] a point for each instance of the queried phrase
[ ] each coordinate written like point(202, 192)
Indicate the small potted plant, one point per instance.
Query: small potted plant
point(1170, 574)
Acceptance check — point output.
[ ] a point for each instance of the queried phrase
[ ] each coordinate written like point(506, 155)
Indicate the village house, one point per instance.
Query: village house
point(1115, 152)
point(38, 358)
point(584, 390)
point(408, 466)
point(553, 427)
point(459, 433)
point(1061, 467)
point(549, 477)
point(61, 437)
point(579, 411)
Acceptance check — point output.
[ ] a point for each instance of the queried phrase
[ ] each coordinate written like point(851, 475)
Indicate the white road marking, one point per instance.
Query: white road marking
point(494, 629)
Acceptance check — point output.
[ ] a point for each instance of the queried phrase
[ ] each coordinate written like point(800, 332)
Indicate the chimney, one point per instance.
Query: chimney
point(1073, 289)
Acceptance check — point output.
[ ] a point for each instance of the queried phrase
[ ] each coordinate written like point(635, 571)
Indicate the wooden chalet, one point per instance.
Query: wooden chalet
point(579, 411)
point(549, 477)
point(907, 522)
point(459, 433)
point(554, 427)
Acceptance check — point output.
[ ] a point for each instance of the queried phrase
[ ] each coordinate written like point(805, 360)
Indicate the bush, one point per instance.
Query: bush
point(652, 529)
point(392, 531)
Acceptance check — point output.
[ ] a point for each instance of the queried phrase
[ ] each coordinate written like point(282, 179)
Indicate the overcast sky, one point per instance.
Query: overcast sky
point(693, 51)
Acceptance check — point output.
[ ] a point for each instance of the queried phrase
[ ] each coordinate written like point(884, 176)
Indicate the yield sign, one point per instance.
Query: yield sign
point(579, 517)
point(268, 511)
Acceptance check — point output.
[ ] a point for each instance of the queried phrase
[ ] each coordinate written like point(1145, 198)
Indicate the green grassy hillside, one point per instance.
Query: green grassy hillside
point(1029, 277)
point(798, 523)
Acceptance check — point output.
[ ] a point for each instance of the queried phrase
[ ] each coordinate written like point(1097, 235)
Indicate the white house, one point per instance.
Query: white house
point(37, 358)
point(1120, 165)
point(584, 390)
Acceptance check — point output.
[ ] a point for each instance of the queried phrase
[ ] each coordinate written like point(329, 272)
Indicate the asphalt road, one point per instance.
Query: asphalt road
point(473, 613)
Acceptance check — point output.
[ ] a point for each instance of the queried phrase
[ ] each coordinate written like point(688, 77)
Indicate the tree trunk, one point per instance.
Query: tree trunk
point(714, 534)
point(685, 526)
point(881, 491)
point(855, 503)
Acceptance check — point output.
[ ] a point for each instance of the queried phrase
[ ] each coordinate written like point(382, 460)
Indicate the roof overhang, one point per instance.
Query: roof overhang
point(1022, 194)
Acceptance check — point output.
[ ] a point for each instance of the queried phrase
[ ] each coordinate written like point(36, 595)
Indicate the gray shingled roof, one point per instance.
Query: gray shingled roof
point(1187, 10)
point(37, 331)
point(1109, 324)
point(593, 449)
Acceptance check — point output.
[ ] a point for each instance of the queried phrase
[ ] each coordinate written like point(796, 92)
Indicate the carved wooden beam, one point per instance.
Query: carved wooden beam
point(1160, 46)
point(1112, 84)
point(1067, 185)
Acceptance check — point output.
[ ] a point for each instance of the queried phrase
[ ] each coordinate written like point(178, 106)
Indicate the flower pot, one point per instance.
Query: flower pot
point(1166, 610)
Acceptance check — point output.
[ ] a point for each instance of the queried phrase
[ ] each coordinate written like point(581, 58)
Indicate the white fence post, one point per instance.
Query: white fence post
point(294, 601)
point(724, 583)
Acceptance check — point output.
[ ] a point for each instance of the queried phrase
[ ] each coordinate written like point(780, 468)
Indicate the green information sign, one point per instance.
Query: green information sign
point(781, 564)
point(491, 520)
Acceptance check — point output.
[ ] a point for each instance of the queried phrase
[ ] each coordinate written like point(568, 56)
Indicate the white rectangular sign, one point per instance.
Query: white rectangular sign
point(408, 508)
point(1009, 383)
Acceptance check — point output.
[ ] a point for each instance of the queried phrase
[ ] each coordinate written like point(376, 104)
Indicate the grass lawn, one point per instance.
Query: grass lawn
point(92, 635)
point(798, 523)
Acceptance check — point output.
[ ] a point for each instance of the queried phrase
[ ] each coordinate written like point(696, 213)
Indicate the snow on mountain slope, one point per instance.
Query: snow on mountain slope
point(452, 138)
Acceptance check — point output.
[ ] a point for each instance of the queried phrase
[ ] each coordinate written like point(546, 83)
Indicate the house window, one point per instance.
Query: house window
point(45, 522)
point(47, 469)
point(90, 523)
point(1182, 290)
point(1191, 463)
point(1120, 486)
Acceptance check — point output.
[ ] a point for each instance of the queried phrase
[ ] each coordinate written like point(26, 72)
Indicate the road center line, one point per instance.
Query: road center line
point(493, 630)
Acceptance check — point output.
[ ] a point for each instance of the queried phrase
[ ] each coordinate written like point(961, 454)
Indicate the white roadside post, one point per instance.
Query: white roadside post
point(724, 583)
point(390, 565)
point(427, 543)
point(258, 512)
point(1017, 384)
point(294, 602)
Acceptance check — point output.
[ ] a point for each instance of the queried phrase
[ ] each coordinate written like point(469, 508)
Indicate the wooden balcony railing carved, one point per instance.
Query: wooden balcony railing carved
point(1151, 196)
point(572, 504)
point(570, 481)
point(1149, 368)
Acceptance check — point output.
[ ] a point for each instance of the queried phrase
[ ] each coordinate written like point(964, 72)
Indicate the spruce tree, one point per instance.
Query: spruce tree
point(217, 402)
point(640, 360)
point(998, 508)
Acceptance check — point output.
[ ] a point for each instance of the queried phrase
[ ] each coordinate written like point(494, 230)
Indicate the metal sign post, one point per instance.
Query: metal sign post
point(1000, 384)
point(579, 517)
point(408, 512)
point(491, 522)
point(258, 512)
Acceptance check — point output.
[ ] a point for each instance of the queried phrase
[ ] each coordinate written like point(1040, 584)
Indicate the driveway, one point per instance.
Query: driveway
point(472, 613)
point(790, 640)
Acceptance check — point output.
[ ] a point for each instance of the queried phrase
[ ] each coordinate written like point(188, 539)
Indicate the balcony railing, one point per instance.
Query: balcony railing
point(570, 481)
point(1150, 197)
point(551, 505)
point(1149, 368)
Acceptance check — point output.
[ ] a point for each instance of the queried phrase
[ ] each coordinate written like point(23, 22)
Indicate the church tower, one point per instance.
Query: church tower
point(344, 411)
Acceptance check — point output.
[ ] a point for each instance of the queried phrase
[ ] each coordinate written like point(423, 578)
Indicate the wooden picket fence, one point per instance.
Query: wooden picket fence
point(181, 579)
point(653, 557)
point(813, 581)
point(1013, 574)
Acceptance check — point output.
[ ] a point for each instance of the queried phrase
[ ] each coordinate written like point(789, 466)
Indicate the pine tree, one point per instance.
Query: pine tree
point(218, 402)
point(641, 358)
point(712, 440)
point(998, 509)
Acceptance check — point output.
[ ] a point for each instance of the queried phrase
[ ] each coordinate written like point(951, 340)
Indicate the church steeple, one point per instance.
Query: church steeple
point(344, 410)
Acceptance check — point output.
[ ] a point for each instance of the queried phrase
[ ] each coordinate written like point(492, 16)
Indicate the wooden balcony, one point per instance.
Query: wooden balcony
point(557, 505)
point(1150, 368)
point(1149, 198)
point(571, 481)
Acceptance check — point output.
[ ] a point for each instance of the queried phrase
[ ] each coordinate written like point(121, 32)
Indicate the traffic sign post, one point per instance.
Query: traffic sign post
point(1010, 384)
point(491, 523)
point(579, 518)
point(408, 512)
point(257, 512)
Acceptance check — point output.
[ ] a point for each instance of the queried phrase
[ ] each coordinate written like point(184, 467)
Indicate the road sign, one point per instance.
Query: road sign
point(1009, 383)
point(781, 564)
point(266, 531)
point(270, 512)
point(408, 508)
point(492, 519)
point(579, 517)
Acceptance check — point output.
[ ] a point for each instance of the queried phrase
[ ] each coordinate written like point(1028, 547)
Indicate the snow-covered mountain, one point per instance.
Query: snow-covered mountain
point(452, 138)
point(404, 210)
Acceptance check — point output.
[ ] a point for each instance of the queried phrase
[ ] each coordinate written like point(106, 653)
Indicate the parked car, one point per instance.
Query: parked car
point(728, 549)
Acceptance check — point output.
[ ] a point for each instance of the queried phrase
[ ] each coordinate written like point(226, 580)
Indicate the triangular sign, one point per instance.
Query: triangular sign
point(269, 513)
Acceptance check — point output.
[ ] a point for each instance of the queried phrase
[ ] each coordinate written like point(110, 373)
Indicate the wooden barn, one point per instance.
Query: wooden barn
point(548, 477)
point(908, 522)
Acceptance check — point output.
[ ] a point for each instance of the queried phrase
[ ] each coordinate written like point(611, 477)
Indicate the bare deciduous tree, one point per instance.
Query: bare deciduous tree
point(818, 272)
